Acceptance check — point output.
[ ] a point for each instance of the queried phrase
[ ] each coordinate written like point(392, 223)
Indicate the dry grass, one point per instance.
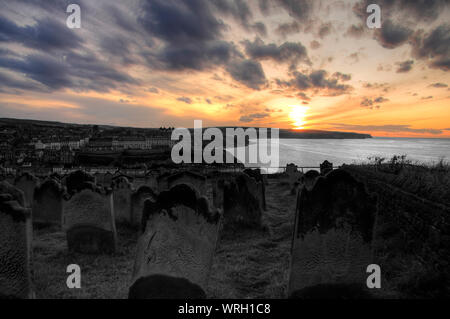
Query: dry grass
point(247, 264)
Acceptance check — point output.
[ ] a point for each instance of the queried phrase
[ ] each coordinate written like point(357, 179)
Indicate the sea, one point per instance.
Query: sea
point(312, 152)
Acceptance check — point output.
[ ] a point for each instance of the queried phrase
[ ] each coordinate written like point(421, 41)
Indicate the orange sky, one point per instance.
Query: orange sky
point(313, 65)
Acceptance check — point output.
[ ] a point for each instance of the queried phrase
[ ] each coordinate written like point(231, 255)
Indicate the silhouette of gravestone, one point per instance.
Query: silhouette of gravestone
point(151, 180)
point(27, 183)
point(17, 194)
point(79, 180)
point(187, 177)
point(256, 174)
point(163, 181)
point(48, 203)
point(332, 242)
point(137, 203)
point(326, 167)
point(241, 201)
point(88, 216)
point(175, 252)
point(122, 190)
point(15, 249)
point(309, 178)
point(107, 179)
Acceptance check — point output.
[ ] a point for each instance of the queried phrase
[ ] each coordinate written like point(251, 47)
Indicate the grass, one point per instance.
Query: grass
point(248, 263)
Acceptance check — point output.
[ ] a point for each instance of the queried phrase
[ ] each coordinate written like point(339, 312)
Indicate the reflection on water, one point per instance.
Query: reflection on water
point(312, 152)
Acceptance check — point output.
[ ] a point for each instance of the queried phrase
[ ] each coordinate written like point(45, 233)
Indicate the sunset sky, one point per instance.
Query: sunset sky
point(273, 63)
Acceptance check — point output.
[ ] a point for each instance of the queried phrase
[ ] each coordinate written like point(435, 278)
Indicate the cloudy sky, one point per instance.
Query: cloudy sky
point(274, 63)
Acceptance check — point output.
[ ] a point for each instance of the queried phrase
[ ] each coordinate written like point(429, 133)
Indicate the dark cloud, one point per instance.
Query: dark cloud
point(324, 30)
point(371, 103)
point(180, 21)
point(285, 29)
point(315, 44)
point(435, 46)
point(196, 56)
point(356, 30)
point(387, 128)
point(300, 9)
point(427, 97)
point(405, 66)
point(47, 34)
point(315, 80)
point(248, 72)
point(342, 76)
point(392, 35)
point(73, 71)
point(420, 10)
point(439, 85)
point(185, 99)
point(252, 117)
point(303, 96)
point(153, 90)
point(287, 52)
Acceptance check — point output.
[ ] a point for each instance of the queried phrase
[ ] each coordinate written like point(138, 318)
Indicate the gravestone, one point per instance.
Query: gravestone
point(99, 178)
point(241, 201)
point(175, 251)
point(15, 249)
point(187, 177)
point(107, 179)
point(332, 242)
point(151, 180)
point(17, 194)
point(137, 203)
point(261, 182)
point(163, 181)
point(48, 203)
point(309, 178)
point(326, 167)
point(79, 180)
point(122, 190)
point(88, 216)
point(27, 183)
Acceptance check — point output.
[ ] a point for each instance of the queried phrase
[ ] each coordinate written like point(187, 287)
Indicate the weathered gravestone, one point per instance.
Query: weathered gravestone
point(187, 177)
point(122, 190)
point(137, 203)
point(107, 179)
point(88, 217)
point(261, 183)
point(309, 178)
point(241, 201)
point(326, 167)
point(15, 249)
point(17, 194)
point(332, 242)
point(79, 180)
point(175, 252)
point(27, 183)
point(48, 203)
point(151, 180)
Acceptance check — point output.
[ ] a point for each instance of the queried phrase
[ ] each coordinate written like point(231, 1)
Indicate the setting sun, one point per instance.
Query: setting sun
point(298, 115)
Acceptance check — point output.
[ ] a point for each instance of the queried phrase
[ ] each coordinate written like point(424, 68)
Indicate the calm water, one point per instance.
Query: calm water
point(312, 152)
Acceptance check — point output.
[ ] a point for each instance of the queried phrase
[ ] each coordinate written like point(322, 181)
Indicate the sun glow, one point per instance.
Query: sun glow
point(298, 116)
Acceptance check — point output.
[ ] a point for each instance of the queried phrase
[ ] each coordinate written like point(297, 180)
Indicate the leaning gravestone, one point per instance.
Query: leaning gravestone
point(122, 190)
point(309, 178)
point(241, 201)
point(48, 203)
point(175, 252)
point(332, 242)
point(88, 217)
point(27, 183)
point(137, 203)
point(15, 249)
point(187, 177)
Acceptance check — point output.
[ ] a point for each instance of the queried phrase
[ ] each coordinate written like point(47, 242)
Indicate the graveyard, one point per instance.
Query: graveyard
point(183, 234)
